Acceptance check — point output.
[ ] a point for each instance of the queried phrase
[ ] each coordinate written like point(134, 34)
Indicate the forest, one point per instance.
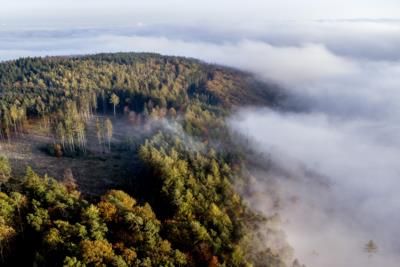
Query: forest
point(156, 124)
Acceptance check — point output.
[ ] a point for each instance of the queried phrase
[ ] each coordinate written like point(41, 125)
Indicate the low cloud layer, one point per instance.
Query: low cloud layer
point(287, 52)
point(336, 163)
point(277, 57)
point(339, 188)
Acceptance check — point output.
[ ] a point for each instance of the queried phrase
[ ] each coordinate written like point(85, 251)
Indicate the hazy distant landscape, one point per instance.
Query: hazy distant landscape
point(199, 134)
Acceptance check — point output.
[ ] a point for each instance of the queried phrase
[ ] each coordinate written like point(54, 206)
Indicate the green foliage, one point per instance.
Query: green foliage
point(195, 188)
point(68, 231)
point(186, 211)
point(5, 170)
point(65, 92)
point(203, 224)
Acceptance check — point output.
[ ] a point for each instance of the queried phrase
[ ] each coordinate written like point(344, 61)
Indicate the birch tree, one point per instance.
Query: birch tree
point(109, 131)
point(115, 101)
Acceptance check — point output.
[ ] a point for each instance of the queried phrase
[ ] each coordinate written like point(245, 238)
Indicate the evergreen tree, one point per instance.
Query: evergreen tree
point(5, 170)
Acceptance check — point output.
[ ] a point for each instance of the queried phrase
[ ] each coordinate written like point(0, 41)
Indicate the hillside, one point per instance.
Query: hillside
point(143, 162)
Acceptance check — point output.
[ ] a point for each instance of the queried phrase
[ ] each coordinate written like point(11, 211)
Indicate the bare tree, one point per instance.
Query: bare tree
point(109, 131)
point(99, 133)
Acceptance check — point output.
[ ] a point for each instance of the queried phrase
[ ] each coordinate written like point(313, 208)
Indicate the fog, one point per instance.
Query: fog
point(339, 187)
point(333, 167)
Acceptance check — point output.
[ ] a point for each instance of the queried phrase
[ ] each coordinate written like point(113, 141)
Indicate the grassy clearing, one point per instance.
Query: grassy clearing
point(95, 172)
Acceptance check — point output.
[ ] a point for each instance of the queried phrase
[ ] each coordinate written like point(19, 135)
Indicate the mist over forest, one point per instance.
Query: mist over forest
point(286, 124)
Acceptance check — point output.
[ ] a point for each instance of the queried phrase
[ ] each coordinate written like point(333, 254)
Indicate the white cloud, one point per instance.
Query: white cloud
point(344, 182)
point(339, 165)
point(289, 65)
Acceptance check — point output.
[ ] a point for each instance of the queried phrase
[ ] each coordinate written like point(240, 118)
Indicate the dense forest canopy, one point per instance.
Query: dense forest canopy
point(180, 208)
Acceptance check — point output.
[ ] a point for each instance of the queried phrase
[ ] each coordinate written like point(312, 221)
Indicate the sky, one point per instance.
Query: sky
point(174, 10)
point(338, 61)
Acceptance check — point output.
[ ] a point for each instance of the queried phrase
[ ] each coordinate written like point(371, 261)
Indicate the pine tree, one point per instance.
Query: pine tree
point(5, 170)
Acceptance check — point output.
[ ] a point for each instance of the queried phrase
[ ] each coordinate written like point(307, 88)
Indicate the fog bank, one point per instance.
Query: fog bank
point(332, 170)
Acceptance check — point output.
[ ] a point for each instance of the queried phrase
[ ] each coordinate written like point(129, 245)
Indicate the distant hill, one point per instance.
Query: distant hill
point(162, 78)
